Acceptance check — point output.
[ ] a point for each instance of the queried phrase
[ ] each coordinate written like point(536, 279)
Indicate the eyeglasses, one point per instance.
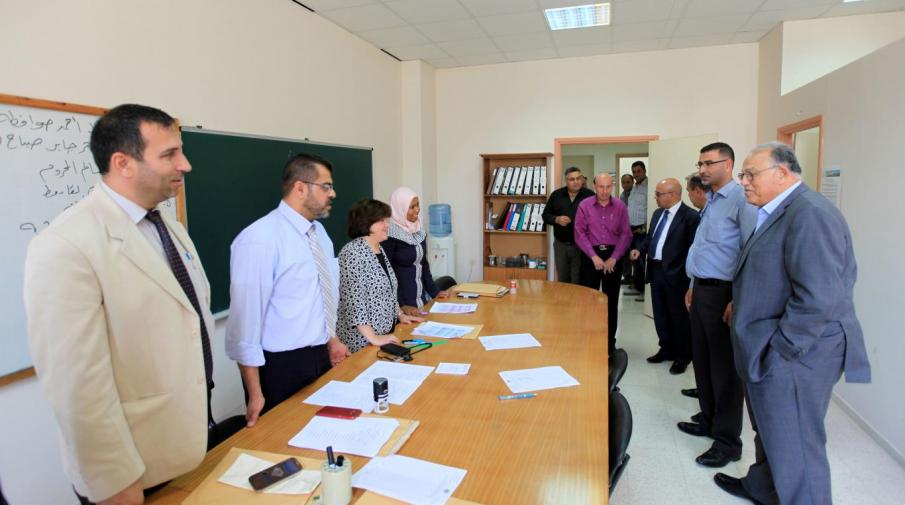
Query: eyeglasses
point(326, 186)
point(750, 174)
point(708, 163)
point(659, 194)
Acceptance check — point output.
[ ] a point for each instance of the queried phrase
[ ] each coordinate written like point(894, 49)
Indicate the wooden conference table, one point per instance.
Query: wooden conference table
point(551, 449)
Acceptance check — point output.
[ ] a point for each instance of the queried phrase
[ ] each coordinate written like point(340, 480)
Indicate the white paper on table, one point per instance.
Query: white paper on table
point(363, 436)
point(453, 308)
point(398, 371)
point(535, 379)
point(453, 368)
point(400, 390)
point(410, 480)
point(247, 465)
point(513, 341)
point(443, 330)
point(343, 394)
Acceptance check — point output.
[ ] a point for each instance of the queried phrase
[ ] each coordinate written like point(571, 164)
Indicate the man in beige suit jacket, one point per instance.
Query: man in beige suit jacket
point(119, 345)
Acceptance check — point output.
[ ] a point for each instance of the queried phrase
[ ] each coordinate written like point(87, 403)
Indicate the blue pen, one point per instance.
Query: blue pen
point(518, 396)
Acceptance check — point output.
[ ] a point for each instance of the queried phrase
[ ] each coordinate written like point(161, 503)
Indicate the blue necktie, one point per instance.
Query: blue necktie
point(655, 239)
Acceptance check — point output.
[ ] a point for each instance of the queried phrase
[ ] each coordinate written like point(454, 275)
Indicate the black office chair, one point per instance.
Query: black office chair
point(618, 363)
point(223, 430)
point(445, 282)
point(620, 435)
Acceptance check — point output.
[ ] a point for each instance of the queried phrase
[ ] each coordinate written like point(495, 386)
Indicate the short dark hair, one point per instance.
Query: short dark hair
point(570, 170)
point(119, 130)
point(722, 147)
point(363, 214)
point(302, 167)
point(627, 175)
point(641, 164)
point(695, 182)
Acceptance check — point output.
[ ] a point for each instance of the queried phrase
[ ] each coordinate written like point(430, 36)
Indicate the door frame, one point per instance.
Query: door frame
point(786, 135)
point(558, 142)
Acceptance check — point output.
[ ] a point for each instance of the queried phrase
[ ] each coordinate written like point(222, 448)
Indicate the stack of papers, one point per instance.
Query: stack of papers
point(514, 341)
point(483, 289)
point(535, 379)
point(441, 330)
point(246, 465)
point(453, 308)
point(363, 435)
point(410, 480)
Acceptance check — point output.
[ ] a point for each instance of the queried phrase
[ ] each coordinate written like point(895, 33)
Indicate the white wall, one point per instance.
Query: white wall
point(862, 106)
point(522, 107)
point(815, 47)
point(265, 67)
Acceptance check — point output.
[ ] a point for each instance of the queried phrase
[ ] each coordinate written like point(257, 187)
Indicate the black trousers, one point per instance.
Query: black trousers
point(638, 277)
point(719, 387)
point(670, 315)
point(609, 283)
point(284, 373)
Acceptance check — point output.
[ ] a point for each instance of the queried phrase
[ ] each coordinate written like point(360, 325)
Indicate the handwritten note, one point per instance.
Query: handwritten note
point(363, 436)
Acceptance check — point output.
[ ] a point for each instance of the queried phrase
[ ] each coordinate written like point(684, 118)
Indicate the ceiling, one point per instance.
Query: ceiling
point(453, 33)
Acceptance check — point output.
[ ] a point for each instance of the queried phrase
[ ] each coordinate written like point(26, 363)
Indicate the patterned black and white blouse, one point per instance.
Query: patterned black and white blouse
point(367, 294)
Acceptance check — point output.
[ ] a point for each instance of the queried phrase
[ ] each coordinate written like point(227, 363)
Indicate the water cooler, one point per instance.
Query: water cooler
point(441, 250)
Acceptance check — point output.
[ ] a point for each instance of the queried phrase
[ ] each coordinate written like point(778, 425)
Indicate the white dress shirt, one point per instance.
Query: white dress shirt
point(138, 215)
point(658, 247)
point(275, 297)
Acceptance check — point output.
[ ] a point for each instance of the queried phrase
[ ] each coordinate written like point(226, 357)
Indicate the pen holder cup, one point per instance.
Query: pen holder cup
point(336, 484)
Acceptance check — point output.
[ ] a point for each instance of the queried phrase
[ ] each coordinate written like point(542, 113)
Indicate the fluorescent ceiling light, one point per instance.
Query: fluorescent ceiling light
point(579, 16)
point(849, 1)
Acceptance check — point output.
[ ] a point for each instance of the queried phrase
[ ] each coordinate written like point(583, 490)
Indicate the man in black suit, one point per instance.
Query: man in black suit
point(672, 226)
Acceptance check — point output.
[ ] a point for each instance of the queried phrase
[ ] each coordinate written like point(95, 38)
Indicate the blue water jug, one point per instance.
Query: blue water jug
point(440, 220)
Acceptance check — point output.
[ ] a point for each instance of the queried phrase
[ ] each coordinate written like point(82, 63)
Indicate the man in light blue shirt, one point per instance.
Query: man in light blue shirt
point(284, 290)
point(726, 221)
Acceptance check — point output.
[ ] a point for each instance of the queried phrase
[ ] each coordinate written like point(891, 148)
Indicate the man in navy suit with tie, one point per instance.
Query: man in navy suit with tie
point(674, 225)
point(794, 329)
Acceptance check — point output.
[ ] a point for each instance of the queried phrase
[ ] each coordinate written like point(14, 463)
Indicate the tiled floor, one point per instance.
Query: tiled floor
point(662, 468)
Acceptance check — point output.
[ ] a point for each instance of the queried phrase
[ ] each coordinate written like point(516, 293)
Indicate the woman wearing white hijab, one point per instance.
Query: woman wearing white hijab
point(406, 248)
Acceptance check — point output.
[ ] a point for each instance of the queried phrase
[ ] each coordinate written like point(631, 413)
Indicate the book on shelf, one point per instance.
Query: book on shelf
point(507, 181)
point(543, 181)
point(499, 176)
point(520, 187)
point(535, 186)
point(490, 181)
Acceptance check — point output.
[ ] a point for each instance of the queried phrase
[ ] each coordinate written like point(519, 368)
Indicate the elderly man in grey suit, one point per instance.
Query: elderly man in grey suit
point(794, 329)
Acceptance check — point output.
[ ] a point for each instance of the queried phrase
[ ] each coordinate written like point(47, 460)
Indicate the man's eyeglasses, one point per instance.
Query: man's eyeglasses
point(708, 163)
point(326, 186)
point(750, 174)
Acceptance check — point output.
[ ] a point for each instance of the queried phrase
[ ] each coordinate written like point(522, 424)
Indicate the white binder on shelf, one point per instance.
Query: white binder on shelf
point(529, 215)
point(507, 181)
point(500, 175)
point(538, 219)
point(543, 180)
point(528, 179)
point(516, 173)
point(535, 187)
point(520, 189)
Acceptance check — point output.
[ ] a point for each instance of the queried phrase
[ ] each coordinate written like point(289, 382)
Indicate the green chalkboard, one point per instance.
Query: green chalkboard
point(235, 180)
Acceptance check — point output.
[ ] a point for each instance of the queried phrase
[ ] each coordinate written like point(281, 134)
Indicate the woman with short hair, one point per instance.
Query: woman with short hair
point(368, 308)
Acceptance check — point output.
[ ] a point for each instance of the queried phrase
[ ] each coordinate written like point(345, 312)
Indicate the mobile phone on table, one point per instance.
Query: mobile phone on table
point(274, 474)
point(338, 412)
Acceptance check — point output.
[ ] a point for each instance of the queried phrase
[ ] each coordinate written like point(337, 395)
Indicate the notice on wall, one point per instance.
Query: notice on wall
point(831, 185)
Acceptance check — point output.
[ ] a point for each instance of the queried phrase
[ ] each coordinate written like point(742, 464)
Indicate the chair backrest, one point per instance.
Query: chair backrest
point(620, 435)
point(618, 363)
point(223, 430)
point(445, 282)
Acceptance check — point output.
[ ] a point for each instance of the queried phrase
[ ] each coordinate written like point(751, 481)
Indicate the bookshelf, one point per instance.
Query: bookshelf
point(508, 243)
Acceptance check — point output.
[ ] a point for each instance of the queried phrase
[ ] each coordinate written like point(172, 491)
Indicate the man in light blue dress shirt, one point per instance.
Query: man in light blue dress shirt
point(726, 221)
point(284, 286)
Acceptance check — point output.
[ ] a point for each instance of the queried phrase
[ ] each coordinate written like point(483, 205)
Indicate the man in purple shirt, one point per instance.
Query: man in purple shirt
point(603, 234)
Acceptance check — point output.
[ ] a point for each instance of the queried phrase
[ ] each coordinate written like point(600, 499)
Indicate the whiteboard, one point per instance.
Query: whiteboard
point(48, 167)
